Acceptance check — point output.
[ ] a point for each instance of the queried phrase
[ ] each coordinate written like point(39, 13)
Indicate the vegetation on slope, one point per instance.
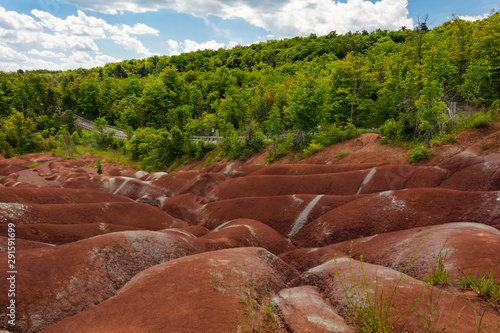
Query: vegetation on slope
point(412, 84)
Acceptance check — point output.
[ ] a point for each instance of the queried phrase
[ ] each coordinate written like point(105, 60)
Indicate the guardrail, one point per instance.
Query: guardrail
point(88, 125)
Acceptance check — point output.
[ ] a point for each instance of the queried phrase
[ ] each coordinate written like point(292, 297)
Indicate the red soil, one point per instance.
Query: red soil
point(195, 251)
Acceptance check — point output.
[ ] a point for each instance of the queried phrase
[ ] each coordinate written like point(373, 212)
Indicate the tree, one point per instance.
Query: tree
point(430, 108)
point(274, 124)
point(306, 103)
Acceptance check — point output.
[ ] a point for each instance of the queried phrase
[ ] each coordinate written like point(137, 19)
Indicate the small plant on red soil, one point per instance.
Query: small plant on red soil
point(257, 316)
point(341, 155)
point(418, 154)
point(99, 166)
point(439, 275)
point(485, 286)
point(369, 313)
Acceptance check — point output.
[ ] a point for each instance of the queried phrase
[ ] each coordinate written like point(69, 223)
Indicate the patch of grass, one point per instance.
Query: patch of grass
point(313, 148)
point(439, 275)
point(33, 165)
point(342, 154)
point(485, 286)
point(444, 139)
point(367, 312)
point(257, 316)
point(418, 154)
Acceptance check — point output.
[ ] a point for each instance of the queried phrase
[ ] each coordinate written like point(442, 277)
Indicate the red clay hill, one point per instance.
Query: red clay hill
point(321, 245)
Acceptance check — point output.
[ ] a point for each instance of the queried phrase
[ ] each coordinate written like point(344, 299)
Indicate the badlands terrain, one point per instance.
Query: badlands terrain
point(243, 247)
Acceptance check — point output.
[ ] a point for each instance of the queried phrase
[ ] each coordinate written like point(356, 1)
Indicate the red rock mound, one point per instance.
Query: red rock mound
point(247, 233)
point(63, 233)
point(34, 195)
point(56, 282)
point(222, 291)
point(304, 309)
point(132, 214)
point(19, 244)
point(399, 210)
point(345, 183)
point(466, 248)
point(286, 214)
point(411, 304)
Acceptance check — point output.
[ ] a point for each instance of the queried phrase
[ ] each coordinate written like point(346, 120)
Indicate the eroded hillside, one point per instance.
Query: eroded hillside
point(242, 247)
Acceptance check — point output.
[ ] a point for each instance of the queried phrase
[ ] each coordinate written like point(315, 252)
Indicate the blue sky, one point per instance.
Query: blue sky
point(68, 34)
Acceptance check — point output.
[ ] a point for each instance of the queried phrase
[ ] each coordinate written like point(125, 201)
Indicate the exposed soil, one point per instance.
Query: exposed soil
point(243, 247)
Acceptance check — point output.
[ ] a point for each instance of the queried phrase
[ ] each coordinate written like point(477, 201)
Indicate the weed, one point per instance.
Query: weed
point(99, 166)
point(341, 155)
point(257, 316)
point(418, 154)
point(485, 286)
point(439, 275)
point(369, 313)
point(33, 165)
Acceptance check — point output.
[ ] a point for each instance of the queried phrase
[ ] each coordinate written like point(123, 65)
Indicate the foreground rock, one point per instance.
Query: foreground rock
point(56, 282)
point(222, 291)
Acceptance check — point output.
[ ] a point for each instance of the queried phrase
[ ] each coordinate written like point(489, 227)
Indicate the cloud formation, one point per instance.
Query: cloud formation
point(175, 47)
point(72, 40)
point(284, 18)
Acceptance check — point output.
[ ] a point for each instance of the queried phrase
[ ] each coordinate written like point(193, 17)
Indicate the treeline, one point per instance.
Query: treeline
point(410, 80)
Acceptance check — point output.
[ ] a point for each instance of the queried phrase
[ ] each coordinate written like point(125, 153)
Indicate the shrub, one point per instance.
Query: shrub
point(485, 286)
point(439, 275)
point(390, 131)
point(99, 166)
point(418, 154)
point(445, 139)
point(313, 148)
point(342, 154)
point(479, 120)
point(281, 147)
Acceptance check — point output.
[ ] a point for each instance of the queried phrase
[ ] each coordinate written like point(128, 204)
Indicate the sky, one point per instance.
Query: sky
point(70, 34)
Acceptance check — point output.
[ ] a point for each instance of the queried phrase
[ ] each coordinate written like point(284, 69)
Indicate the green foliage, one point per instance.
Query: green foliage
point(486, 286)
point(439, 275)
point(342, 155)
point(444, 139)
point(479, 120)
point(282, 147)
point(401, 81)
point(390, 131)
point(312, 148)
point(99, 166)
point(418, 154)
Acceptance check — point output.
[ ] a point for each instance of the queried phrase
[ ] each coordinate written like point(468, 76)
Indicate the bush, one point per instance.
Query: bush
point(282, 147)
point(330, 134)
point(418, 154)
point(445, 139)
point(99, 166)
point(479, 120)
point(313, 148)
point(390, 131)
point(341, 155)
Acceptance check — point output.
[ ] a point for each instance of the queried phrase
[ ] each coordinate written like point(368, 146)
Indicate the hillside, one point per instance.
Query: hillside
point(332, 243)
point(413, 84)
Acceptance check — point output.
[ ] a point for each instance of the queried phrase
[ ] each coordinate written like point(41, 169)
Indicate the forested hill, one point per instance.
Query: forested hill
point(301, 84)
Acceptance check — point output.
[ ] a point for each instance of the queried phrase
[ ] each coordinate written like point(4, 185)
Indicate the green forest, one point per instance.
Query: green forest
point(414, 85)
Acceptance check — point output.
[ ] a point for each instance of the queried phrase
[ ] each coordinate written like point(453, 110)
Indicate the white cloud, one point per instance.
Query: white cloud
point(10, 20)
point(19, 29)
point(131, 44)
point(47, 54)
point(140, 29)
point(7, 54)
point(71, 39)
point(474, 18)
point(175, 47)
point(284, 18)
